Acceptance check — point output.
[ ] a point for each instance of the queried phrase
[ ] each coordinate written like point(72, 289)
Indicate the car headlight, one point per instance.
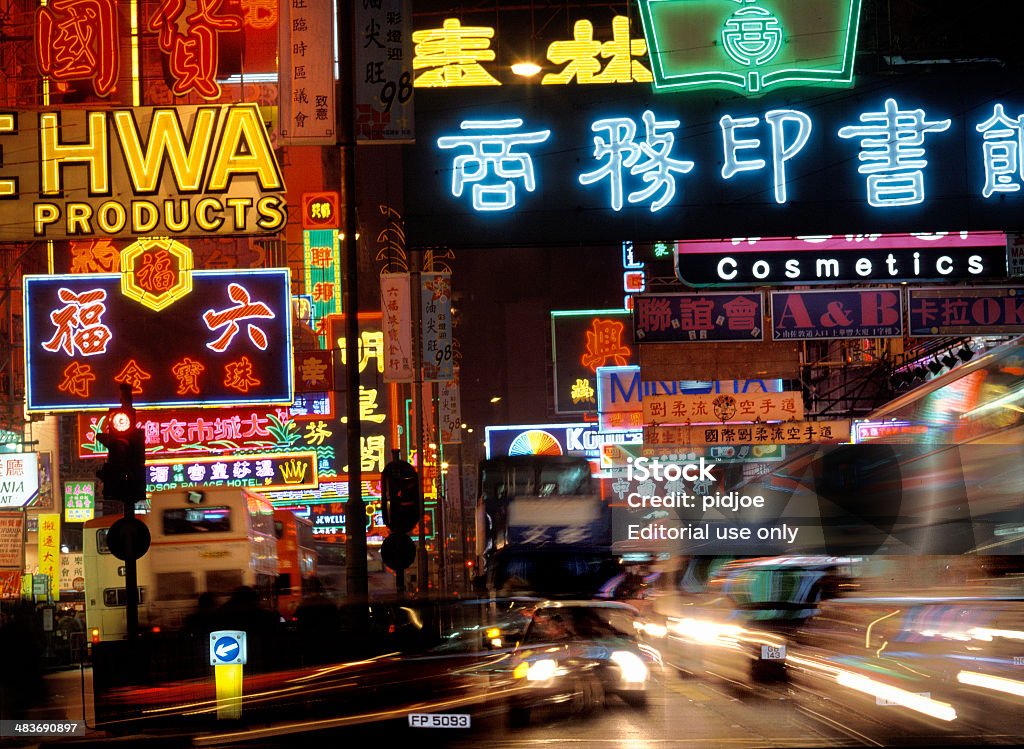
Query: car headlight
point(539, 670)
point(632, 667)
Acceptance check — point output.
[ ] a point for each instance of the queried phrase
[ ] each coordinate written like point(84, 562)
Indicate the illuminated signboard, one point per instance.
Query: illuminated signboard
point(79, 501)
point(150, 171)
point(209, 431)
point(458, 54)
point(851, 259)
point(699, 318)
point(321, 259)
point(785, 433)
point(758, 45)
point(854, 313)
point(621, 393)
point(701, 165)
point(582, 341)
point(19, 478)
point(552, 439)
point(377, 403)
point(258, 471)
point(226, 342)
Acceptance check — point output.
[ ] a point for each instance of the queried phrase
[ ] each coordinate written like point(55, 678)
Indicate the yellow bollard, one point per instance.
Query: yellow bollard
point(228, 654)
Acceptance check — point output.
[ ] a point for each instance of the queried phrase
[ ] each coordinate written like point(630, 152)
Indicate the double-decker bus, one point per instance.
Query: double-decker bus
point(296, 560)
point(542, 526)
point(214, 540)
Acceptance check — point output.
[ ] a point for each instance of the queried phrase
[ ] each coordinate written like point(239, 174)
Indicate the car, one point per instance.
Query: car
point(575, 653)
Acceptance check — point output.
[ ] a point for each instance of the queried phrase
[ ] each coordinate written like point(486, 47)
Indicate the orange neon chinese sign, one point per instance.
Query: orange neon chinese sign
point(76, 40)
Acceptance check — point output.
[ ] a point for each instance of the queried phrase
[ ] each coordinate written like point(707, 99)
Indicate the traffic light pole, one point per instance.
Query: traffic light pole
point(357, 582)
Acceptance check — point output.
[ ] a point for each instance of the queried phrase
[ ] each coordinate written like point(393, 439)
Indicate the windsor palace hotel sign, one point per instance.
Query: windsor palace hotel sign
point(182, 171)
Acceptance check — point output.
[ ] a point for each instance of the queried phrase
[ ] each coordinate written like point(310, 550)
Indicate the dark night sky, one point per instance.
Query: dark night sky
point(504, 299)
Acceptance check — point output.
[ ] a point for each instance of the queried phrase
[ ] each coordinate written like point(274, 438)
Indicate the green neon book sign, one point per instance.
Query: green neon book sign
point(750, 45)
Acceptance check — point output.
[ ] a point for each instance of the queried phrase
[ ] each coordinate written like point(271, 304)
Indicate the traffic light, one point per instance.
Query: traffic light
point(400, 495)
point(124, 473)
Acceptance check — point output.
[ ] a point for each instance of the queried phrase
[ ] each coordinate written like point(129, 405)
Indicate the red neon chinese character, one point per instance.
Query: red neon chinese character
point(95, 256)
point(78, 323)
point(741, 313)
point(133, 375)
point(76, 379)
point(187, 372)
point(76, 40)
point(244, 308)
point(238, 375)
point(194, 52)
point(604, 342)
point(156, 274)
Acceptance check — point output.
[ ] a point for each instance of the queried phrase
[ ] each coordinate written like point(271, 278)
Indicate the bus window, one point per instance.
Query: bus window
point(223, 581)
point(116, 596)
point(101, 541)
point(175, 586)
point(183, 520)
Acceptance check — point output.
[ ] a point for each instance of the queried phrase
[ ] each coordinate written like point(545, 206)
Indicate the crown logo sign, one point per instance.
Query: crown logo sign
point(293, 471)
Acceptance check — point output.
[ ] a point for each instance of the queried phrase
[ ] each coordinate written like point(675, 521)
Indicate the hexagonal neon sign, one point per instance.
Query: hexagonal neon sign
point(156, 271)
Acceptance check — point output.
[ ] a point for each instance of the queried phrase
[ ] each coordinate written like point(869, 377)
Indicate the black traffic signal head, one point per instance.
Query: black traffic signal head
point(400, 496)
point(124, 473)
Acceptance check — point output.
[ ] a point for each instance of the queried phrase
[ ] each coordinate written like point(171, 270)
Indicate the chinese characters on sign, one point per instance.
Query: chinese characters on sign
point(704, 318)
point(976, 311)
point(583, 341)
point(867, 313)
point(322, 261)
point(12, 532)
point(306, 73)
point(437, 339)
point(375, 395)
point(789, 433)
point(79, 501)
point(722, 407)
point(77, 40)
point(227, 342)
point(396, 305)
point(188, 33)
point(202, 431)
point(384, 71)
point(48, 545)
point(463, 55)
point(932, 153)
point(19, 478)
point(297, 470)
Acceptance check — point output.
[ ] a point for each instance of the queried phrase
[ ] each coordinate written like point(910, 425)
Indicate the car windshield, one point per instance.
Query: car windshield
point(556, 624)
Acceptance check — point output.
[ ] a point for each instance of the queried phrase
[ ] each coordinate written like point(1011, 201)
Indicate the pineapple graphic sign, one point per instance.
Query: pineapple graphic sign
point(750, 45)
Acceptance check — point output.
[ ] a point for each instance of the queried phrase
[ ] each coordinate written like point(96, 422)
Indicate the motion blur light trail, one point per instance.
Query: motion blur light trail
point(998, 683)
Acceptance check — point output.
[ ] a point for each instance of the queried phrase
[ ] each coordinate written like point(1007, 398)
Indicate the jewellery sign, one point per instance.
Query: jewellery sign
point(152, 171)
point(864, 313)
point(849, 259)
point(722, 407)
point(207, 338)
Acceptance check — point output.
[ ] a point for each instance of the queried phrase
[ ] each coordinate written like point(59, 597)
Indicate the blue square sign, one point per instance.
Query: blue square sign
point(227, 647)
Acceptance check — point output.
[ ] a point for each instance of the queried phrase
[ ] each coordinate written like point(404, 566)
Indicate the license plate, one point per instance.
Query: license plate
point(773, 652)
point(438, 720)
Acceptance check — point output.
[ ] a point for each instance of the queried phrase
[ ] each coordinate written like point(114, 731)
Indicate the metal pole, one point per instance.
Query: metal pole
point(462, 521)
point(417, 346)
point(441, 532)
point(357, 583)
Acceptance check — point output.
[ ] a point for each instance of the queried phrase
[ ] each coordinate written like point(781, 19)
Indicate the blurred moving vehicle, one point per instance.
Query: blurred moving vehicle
point(741, 624)
point(575, 653)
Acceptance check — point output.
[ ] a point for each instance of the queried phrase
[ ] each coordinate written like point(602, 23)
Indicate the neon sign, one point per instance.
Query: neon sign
point(76, 40)
point(761, 44)
point(295, 470)
point(900, 162)
point(187, 34)
point(82, 335)
point(456, 55)
point(188, 171)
